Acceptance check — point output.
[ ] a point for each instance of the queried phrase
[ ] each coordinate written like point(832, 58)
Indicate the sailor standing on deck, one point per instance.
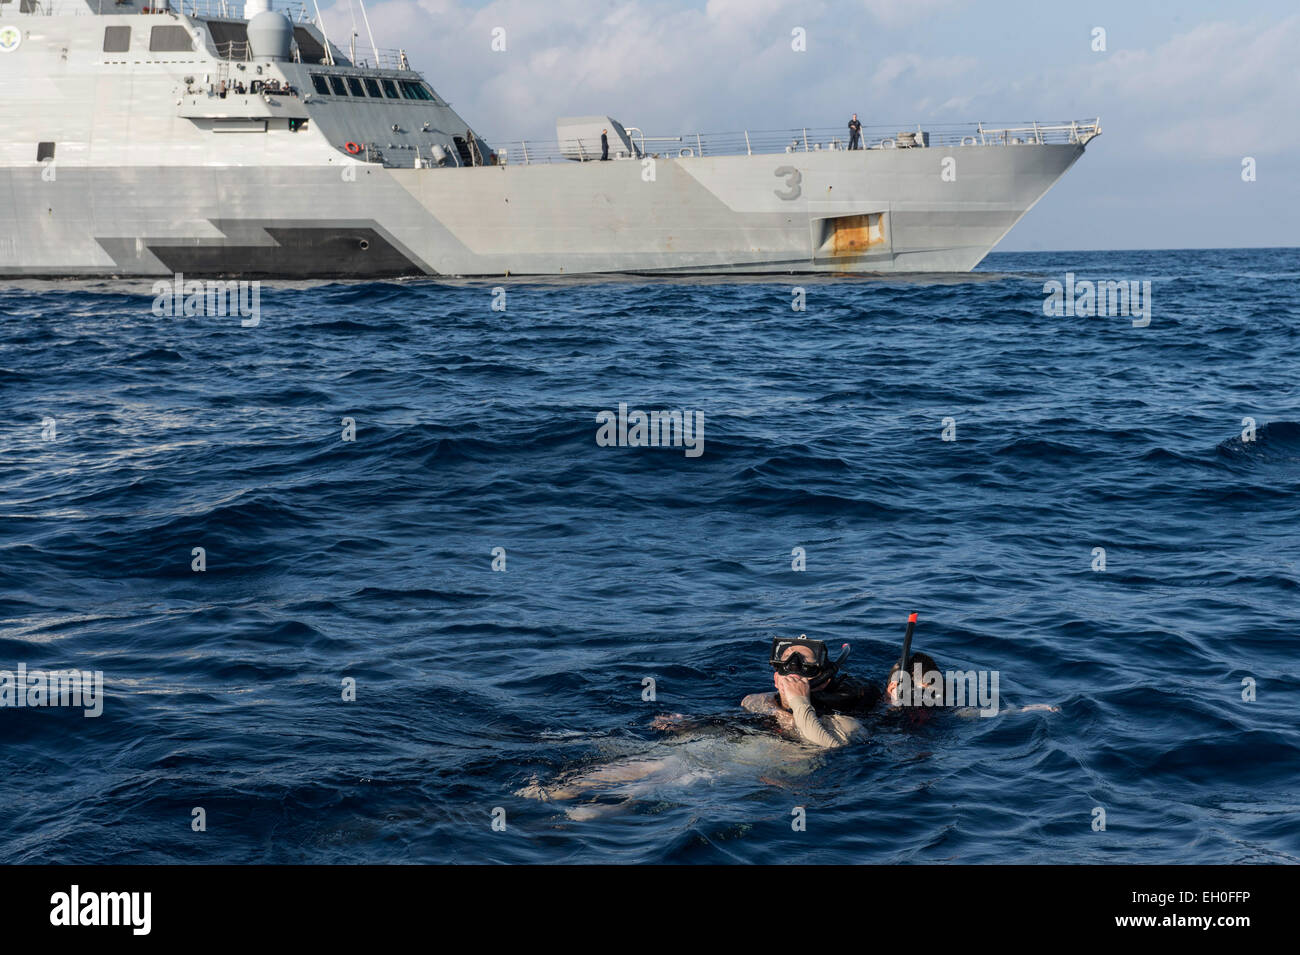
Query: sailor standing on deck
point(604, 145)
point(855, 133)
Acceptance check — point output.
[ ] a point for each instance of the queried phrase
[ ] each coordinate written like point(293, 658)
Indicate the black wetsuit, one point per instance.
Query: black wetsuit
point(844, 694)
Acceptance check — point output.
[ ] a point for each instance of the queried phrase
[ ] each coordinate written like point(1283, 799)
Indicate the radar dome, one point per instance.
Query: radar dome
point(270, 36)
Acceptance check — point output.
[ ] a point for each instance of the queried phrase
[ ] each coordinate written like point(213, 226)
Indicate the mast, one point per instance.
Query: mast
point(365, 16)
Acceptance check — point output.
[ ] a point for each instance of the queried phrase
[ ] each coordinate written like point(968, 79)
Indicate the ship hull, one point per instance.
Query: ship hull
point(868, 211)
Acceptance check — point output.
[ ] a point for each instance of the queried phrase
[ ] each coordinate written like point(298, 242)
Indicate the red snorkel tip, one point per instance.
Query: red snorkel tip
point(912, 619)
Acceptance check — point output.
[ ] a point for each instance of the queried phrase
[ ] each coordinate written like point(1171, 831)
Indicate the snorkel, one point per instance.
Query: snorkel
point(895, 696)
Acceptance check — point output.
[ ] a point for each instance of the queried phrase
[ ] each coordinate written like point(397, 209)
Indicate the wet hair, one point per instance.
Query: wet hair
point(928, 664)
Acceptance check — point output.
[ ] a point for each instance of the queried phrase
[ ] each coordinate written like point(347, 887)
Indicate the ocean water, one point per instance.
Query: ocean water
point(371, 560)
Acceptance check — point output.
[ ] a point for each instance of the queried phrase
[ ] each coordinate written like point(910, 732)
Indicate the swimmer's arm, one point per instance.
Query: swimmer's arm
point(681, 723)
point(668, 722)
point(765, 704)
point(971, 712)
point(812, 729)
point(760, 702)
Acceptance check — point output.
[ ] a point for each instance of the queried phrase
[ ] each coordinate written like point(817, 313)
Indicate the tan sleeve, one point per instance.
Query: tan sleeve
point(759, 702)
point(825, 733)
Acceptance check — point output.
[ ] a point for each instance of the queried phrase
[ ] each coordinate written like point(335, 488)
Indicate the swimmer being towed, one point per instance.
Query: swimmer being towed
point(813, 701)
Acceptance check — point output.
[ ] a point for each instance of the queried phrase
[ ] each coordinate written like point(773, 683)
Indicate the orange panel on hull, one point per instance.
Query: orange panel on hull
point(853, 235)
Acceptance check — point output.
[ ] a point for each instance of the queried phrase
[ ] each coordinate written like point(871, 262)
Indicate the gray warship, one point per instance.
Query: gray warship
point(211, 138)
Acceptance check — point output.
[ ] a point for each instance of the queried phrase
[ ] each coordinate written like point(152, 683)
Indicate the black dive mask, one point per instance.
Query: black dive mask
point(796, 664)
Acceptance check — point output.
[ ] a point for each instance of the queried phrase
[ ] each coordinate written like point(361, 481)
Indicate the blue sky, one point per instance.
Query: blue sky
point(1184, 90)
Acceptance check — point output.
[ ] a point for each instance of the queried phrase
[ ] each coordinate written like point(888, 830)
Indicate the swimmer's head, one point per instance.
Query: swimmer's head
point(894, 691)
point(803, 662)
point(805, 658)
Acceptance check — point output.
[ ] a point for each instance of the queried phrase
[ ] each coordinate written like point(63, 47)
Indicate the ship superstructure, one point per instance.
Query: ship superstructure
point(212, 138)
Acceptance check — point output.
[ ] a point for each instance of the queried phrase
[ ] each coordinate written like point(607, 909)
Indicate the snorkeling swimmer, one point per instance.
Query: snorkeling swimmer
point(805, 679)
point(814, 701)
point(922, 680)
point(908, 664)
point(808, 689)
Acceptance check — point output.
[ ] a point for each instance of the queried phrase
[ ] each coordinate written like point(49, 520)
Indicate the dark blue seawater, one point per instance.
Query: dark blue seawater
point(475, 429)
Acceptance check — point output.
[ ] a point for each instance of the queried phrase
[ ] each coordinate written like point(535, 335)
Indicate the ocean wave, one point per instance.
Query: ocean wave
point(513, 600)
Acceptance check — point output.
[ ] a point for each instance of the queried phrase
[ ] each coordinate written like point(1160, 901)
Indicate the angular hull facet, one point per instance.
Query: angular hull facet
point(862, 211)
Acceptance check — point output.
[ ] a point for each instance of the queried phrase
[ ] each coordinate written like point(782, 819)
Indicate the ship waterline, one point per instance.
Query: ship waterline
point(700, 215)
point(305, 164)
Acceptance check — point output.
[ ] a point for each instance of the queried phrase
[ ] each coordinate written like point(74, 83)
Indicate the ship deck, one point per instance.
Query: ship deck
point(807, 139)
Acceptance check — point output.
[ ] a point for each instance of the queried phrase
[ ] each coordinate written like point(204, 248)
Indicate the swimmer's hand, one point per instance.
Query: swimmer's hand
point(667, 721)
point(972, 712)
point(793, 686)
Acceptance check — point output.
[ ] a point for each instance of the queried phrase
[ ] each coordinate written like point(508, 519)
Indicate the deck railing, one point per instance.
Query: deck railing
point(295, 10)
point(805, 139)
point(371, 59)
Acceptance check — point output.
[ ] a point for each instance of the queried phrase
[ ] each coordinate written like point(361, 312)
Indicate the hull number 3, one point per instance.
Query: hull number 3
point(792, 181)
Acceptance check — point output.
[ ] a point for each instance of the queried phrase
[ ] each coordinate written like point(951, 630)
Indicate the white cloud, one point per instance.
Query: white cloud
point(1236, 85)
point(646, 62)
point(1215, 89)
point(931, 68)
point(894, 13)
point(734, 13)
point(1218, 90)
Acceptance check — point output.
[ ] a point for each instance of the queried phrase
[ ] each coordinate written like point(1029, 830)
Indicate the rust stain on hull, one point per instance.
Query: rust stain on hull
point(853, 235)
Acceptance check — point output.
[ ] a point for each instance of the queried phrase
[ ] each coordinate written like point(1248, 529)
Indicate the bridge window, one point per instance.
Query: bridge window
point(354, 86)
point(413, 90)
point(372, 88)
point(390, 89)
point(170, 39)
point(322, 85)
point(117, 39)
point(340, 88)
